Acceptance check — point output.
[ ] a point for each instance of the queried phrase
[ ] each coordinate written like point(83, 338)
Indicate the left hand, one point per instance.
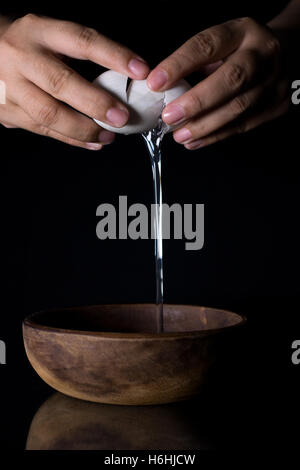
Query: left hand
point(245, 85)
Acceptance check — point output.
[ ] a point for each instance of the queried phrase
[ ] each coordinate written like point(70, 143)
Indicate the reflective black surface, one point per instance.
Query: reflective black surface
point(249, 264)
point(253, 403)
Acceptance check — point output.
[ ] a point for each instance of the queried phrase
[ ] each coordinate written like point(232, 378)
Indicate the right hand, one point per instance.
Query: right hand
point(45, 96)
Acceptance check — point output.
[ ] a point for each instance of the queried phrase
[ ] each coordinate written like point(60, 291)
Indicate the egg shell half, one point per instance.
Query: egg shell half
point(145, 106)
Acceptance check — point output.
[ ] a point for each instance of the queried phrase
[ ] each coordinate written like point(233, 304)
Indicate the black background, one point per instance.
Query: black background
point(249, 262)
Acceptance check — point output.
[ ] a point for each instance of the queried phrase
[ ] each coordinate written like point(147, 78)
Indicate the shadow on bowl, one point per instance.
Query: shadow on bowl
point(111, 353)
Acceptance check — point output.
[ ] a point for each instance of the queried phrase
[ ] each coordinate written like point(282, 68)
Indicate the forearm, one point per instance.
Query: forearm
point(289, 19)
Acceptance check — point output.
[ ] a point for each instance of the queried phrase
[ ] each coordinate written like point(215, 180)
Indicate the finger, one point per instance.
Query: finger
point(244, 125)
point(208, 46)
point(80, 42)
point(211, 68)
point(7, 125)
point(63, 83)
point(239, 72)
point(45, 131)
point(205, 125)
point(48, 112)
point(7, 116)
point(17, 118)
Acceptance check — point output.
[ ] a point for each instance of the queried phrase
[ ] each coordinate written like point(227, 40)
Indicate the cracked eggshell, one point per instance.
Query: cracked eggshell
point(182, 86)
point(145, 106)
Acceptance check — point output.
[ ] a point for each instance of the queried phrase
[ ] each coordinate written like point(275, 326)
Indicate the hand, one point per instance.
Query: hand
point(44, 95)
point(245, 85)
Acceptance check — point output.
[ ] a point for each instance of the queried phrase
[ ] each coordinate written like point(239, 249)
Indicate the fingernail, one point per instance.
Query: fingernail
point(157, 79)
point(138, 67)
point(173, 113)
point(195, 145)
point(117, 117)
point(93, 146)
point(182, 135)
point(106, 137)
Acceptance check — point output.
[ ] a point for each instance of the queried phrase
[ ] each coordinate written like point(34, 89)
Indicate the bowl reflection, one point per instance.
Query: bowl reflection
point(65, 423)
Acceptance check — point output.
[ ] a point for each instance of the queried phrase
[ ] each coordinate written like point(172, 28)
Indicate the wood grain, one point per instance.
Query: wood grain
point(109, 353)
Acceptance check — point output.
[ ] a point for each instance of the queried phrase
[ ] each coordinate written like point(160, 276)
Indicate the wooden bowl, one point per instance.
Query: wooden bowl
point(111, 353)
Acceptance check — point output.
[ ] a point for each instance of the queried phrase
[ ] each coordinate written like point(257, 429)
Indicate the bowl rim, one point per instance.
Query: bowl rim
point(30, 322)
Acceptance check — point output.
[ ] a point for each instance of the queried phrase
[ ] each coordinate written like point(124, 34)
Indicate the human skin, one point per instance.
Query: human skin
point(246, 82)
point(44, 95)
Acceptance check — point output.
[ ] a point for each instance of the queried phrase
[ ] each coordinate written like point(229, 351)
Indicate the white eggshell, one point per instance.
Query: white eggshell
point(181, 87)
point(114, 82)
point(145, 106)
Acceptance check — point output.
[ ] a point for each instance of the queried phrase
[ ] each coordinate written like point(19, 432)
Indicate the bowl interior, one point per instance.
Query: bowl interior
point(136, 318)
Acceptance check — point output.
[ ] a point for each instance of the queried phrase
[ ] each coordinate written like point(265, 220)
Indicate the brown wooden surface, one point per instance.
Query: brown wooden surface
point(109, 354)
